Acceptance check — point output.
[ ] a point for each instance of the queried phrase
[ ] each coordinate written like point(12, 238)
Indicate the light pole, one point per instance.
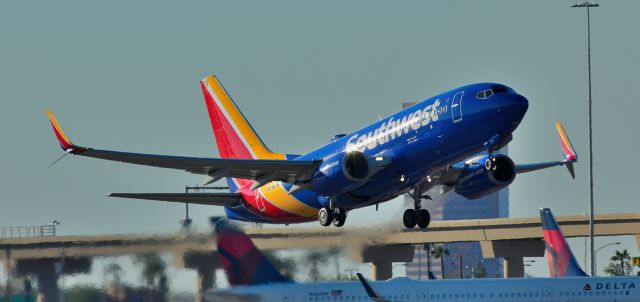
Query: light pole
point(589, 5)
point(609, 244)
point(585, 248)
point(54, 224)
point(472, 269)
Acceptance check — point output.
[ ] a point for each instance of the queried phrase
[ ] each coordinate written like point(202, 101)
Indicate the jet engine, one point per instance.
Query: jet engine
point(343, 171)
point(484, 175)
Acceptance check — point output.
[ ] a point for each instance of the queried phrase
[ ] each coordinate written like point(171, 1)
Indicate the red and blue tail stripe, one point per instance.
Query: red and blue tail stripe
point(243, 263)
point(562, 262)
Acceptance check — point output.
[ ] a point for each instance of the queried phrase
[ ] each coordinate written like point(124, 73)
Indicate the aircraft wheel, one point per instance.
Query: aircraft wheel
point(339, 217)
point(410, 218)
point(325, 216)
point(423, 218)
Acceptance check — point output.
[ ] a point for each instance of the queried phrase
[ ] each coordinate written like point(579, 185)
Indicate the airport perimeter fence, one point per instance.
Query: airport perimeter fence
point(28, 231)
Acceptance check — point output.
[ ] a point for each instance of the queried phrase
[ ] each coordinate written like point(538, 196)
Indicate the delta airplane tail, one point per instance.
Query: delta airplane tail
point(235, 137)
point(562, 262)
point(243, 263)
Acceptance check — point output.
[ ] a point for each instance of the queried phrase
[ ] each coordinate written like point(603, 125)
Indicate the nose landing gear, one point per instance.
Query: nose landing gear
point(417, 216)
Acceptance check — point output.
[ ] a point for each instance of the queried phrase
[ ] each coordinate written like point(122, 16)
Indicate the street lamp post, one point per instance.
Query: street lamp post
point(586, 249)
point(596, 252)
point(588, 5)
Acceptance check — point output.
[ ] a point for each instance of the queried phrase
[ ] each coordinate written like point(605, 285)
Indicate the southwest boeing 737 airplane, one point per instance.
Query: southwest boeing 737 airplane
point(448, 140)
point(253, 278)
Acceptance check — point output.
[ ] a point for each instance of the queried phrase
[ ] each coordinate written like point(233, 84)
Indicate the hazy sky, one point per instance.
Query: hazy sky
point(124, 75)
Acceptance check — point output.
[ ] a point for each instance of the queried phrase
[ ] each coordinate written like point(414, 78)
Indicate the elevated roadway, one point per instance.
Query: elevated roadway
point(274, 238)
point(511, 238)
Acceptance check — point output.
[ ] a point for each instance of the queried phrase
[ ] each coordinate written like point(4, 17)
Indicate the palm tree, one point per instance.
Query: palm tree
point(314, 259)
point(622, 257)
point(115, 271)
point(427, 248)
point(439, 253)
point(335, 253)
point(286, 266)
point(153, 267)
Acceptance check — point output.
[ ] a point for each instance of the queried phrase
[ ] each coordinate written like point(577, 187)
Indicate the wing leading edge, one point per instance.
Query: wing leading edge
point(449, 177)
point(291, 171)
point(569, 153)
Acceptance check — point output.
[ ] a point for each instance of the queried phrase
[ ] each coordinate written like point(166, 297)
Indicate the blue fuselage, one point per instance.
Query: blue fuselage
point(428, 136)
point(420, 140)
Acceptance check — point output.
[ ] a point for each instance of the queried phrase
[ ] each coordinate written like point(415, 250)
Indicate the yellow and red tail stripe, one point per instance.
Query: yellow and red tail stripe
point(281, 210)
point(64, 141)
point(278, 196)
point(569, 152)
point(234, 135)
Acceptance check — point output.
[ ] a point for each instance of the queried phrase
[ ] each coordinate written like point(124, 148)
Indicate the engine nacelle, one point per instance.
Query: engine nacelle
point(342, 172)
point(484, 175)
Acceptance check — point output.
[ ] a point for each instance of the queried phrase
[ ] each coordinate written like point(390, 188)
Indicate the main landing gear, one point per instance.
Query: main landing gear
point(337, 216)
point(417, 216)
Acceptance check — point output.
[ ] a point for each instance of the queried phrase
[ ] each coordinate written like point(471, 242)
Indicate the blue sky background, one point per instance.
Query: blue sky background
point(124, 75)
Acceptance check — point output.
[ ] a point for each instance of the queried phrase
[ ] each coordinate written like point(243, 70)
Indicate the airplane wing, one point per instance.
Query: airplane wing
point(262, 171)
point(449, 176)
point(211, 199)
point(569, 153)
point(370, 291)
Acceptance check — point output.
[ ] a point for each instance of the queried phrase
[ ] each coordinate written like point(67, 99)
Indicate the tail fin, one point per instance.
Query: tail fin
point(234, 135)
point(243, 263)
point(562, 262)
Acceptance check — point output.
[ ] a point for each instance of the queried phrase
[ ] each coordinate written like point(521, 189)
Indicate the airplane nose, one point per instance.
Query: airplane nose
point(515, 105)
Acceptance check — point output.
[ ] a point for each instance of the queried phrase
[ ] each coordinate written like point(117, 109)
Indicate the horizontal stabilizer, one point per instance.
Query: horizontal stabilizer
point(211, 199)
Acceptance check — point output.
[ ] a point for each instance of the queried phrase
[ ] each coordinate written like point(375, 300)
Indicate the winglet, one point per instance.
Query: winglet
point(562, 262)
point(569, 153)
point(64, 141)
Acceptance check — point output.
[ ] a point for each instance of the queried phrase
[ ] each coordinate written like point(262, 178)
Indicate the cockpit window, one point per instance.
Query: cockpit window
point(484, 94)
point(500, 89)
point(495, 89)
